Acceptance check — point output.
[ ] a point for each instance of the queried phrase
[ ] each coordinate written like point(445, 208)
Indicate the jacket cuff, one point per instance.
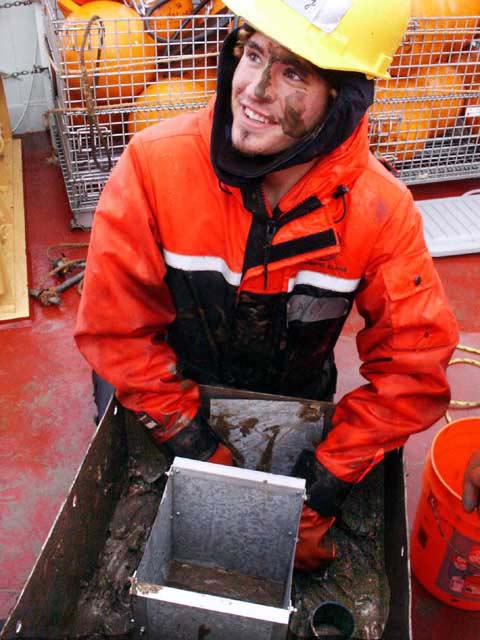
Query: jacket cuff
point(326, 493)
point(194, 440)
point(163, 430)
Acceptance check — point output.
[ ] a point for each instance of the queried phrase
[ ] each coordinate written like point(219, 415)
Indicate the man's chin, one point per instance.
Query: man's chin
point(251, 150)
point(247, 150)
point(247, 153)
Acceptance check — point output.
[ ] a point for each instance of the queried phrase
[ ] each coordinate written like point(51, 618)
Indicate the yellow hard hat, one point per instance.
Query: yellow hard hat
point(346, 35)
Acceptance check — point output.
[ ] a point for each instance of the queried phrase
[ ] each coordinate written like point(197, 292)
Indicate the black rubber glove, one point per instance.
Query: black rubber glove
point(197, 440)
point(326, 493)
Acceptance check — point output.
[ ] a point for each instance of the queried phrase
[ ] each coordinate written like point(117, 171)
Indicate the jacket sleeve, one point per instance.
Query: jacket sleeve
point(409, 335)
point(126, 305)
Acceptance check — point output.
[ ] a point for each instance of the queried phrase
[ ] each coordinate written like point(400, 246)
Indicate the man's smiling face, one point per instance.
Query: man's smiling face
point(277, 98)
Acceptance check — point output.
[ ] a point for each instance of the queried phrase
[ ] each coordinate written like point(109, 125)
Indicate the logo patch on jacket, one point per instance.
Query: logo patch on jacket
point(303, 308)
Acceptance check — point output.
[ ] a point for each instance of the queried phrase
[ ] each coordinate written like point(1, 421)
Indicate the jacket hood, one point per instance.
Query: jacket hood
point(354, 95)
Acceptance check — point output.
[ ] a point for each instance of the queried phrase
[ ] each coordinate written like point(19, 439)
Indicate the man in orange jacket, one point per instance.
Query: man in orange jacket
point(229, 246)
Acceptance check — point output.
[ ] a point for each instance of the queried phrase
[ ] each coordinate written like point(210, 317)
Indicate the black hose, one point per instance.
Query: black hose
point(175, 36)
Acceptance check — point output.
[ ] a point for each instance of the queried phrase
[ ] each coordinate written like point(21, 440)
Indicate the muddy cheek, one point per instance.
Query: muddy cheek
point(293, 123)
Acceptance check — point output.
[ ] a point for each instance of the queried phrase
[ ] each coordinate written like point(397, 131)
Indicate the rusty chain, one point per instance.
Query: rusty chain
point(17, 3)
point(27, 72)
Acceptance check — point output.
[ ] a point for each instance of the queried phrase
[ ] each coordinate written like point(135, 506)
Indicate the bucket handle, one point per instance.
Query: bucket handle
point(433, 504)
point(463, 404)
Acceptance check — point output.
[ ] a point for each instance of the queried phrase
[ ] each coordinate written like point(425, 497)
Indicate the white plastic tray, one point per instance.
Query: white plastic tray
point(452, 225)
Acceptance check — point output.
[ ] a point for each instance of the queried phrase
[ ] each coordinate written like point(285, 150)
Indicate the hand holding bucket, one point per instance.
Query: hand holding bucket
point(445, 540)
point(471, 484)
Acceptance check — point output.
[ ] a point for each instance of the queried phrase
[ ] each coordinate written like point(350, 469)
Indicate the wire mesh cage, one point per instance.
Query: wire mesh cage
point(117, 68)
point(426, 119)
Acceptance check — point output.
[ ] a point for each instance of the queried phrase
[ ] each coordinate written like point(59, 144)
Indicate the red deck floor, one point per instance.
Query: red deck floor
point(47, 411)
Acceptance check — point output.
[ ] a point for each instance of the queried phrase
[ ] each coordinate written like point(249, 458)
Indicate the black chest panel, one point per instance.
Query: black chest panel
point(273, 343)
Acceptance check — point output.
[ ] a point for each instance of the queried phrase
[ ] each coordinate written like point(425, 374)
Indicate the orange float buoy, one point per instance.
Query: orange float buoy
point(409, 111)
point(445, 83)
point(472, 117)
point(445, 540)
point(197, 47)
point(215, 30)
point(211, 8)
point(107, 122)
point(163, 23)
point(105, 46)
point(467, 64)
point(167, 98)
point(428, 39)
point(68, 4)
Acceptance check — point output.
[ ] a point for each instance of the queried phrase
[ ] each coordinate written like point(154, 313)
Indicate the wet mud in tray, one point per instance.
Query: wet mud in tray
point(104, 611)
point(357, 578)
point(105, 608)
point(227, 584)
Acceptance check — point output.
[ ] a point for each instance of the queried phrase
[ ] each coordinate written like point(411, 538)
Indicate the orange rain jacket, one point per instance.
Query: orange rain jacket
point(185, 285)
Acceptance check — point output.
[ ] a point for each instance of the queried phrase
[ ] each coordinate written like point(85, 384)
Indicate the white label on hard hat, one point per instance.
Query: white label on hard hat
point(324, 14)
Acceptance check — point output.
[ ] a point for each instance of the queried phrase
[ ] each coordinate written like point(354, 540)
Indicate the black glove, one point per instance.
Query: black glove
point(197, 440)
point(326, 492)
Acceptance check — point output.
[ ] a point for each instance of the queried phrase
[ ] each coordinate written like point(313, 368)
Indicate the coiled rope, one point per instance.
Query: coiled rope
point(464, 404)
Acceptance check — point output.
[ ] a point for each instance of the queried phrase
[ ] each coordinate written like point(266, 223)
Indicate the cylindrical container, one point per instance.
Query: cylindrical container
point(445, 541)
point(332, 620)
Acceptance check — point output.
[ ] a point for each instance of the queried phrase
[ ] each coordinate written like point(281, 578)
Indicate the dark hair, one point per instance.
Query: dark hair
point(245, 31)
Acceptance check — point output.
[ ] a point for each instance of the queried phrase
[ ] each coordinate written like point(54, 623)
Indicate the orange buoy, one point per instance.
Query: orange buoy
point(109, 123)
point(216, 29)
point(472, 117)
point(445, 85)
point(105, 46)
point(165, 21)
point(67, 5)
point(212, 7)
point(467, 64)
point(198, 44)
point(409, 111)
point(445, 540)
point(429, 38)
point(167, 98)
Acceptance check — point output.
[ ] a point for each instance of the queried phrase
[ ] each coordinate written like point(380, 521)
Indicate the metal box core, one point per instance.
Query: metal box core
point(219, 559)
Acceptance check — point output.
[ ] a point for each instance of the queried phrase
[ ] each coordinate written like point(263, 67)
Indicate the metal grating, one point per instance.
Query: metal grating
point(114, 75)
point(452, 225)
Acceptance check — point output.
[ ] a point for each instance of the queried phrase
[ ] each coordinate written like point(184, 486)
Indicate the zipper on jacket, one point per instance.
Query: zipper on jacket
point(265, 225)
point(271, 227)
point(309, 205)
point(279, 219)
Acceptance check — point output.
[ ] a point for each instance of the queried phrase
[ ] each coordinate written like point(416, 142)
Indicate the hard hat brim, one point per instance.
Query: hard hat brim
point(363, 42)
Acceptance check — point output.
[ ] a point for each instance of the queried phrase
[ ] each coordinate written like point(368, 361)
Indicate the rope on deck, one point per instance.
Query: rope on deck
point(464, 404)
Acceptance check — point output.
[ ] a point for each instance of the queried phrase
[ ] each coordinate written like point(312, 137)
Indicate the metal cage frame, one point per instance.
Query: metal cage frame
point(114, 75)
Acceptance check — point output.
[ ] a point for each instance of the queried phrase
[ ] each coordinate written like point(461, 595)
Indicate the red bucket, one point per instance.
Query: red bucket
point(445, 541)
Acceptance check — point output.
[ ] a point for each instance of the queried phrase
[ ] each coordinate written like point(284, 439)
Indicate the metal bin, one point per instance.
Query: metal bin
point(224, 540)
